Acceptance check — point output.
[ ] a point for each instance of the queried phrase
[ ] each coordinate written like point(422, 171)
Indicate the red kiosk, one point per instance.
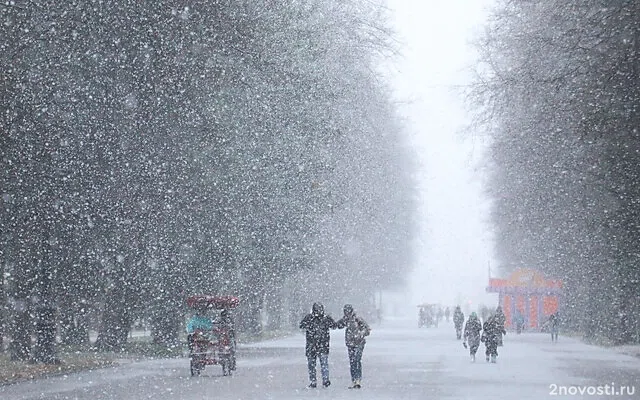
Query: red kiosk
point(528, 292)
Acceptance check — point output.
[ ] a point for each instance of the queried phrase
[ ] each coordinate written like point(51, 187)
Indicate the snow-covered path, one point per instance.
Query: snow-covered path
point(400, 362)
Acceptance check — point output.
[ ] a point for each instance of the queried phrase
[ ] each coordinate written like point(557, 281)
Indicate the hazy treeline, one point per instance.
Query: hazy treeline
point(558, 86)
point(156, 149)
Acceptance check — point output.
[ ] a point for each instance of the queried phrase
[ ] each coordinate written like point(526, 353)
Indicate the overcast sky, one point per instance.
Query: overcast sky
point(454, 248)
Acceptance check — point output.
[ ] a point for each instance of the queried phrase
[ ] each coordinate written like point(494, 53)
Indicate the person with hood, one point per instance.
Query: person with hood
point(554, 325)
point(492, 330)
point(458, 320)
point(472, 335)
point(317, 325)
point(501, 319)
point(354, 337)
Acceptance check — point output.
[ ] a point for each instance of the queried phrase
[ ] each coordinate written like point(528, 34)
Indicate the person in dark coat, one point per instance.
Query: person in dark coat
point(317, 326)
point(354, 338)
point(472, 335)
point(554, 326)
point(492, 330)
point(458, 320)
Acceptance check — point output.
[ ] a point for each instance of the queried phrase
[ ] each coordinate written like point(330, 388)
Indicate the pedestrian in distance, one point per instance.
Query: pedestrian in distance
point(501, 320)
point(354, 337)
point(458, 320)
point(472, 330)
point(518, 321)
point(317, 325)
point(554, 326)
point(492, 330)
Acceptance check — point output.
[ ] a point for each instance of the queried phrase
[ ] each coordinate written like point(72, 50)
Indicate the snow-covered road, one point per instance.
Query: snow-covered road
point(400, 362)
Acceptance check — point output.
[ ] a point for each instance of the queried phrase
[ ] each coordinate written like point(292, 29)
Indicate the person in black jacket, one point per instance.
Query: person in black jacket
point(472, 335)
point(317, 325)
point(554, 324)
point(492, 331)
point(354, 338)
point(458, 321)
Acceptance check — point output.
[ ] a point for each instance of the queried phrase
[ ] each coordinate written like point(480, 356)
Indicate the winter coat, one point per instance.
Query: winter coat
point(492, 330)
point(356, 330)
point(472, 330)
point(458, 318)
point(317, 327)
point(554, 321)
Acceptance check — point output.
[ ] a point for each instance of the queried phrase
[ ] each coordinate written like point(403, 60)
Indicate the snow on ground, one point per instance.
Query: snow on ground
point(400, 362)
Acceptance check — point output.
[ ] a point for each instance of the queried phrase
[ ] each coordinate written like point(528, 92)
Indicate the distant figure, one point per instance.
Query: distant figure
point(458, 320)
point(472, 335)
point(554, 326)
point(317, 325)
point(492, 331)
point(447, 313)
point(501, 319)
point(484, 313)
point(422, 317)
point(518, 321)
point(354, 337)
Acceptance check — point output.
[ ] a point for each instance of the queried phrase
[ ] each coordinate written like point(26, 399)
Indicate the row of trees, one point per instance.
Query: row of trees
point(558, 86)
point(153, 150)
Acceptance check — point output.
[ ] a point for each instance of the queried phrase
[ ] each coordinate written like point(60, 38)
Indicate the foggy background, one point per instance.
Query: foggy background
point(454, 249)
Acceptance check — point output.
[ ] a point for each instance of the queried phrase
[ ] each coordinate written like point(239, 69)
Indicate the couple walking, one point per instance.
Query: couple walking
point(317, 324)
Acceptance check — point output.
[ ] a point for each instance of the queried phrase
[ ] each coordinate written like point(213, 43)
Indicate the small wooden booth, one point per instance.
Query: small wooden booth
point(529, 293)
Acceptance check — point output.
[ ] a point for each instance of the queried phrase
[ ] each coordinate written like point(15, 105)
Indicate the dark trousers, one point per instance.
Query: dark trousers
point(491, 348)
point(473, 346)
point(458, 331)
point(355, 361)
point(324, 367)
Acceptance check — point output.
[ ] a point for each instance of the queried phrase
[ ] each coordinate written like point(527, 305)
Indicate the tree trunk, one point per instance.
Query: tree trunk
point(20, 346)
point(3, 302)
point(116, 323)
point(74, 328)
point(45, 335)
point(45, 311)
point(274, 305)
point(164, 327)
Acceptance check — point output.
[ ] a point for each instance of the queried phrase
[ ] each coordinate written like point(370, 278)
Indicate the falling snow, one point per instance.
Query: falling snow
point(155, 150)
